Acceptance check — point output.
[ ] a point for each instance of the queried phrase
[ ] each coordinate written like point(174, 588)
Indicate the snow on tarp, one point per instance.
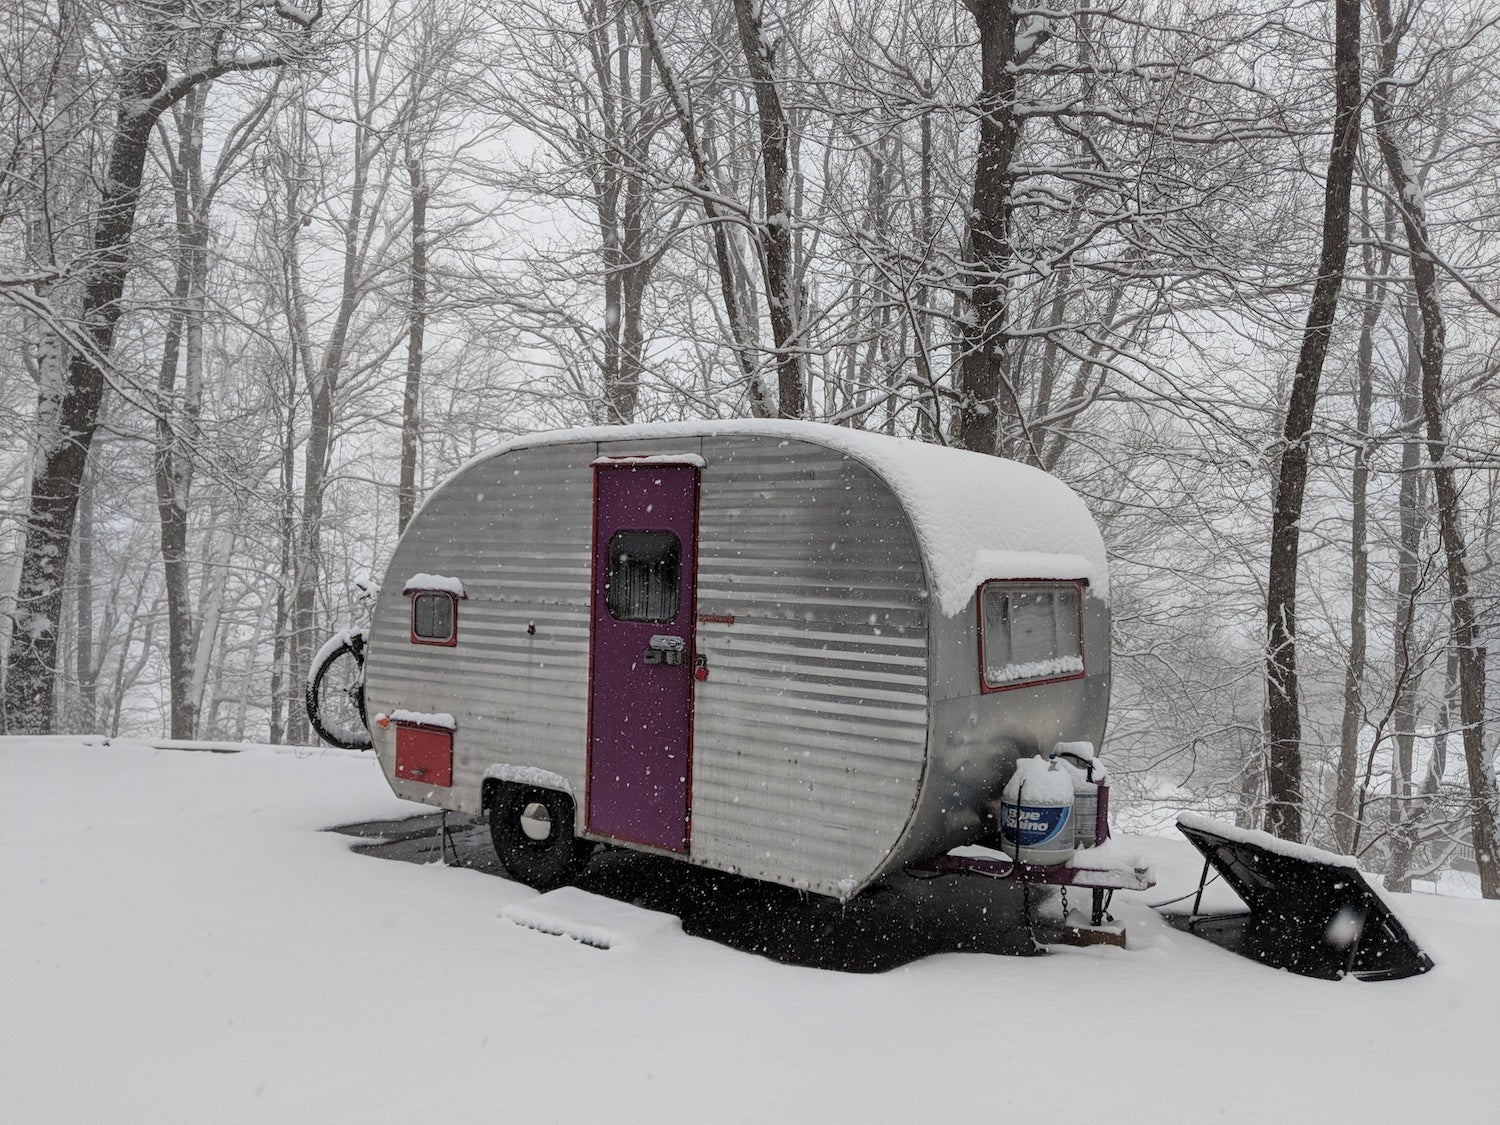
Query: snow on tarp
point(976, 517)
point(434, 584)
point(1266, 842)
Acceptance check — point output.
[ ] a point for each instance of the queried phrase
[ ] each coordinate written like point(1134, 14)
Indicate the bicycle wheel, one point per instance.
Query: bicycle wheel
point(336, 698)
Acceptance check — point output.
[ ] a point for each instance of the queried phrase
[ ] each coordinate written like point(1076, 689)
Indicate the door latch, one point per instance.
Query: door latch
point(666, 649)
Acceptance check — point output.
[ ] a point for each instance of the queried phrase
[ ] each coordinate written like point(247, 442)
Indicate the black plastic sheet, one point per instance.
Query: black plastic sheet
point(1315, 917)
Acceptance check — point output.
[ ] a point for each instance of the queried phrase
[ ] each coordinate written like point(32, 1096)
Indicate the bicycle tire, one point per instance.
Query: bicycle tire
point(317, 714)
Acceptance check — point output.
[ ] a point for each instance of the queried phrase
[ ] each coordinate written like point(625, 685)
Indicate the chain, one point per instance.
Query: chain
point(1036, 944)
point(1065, 905)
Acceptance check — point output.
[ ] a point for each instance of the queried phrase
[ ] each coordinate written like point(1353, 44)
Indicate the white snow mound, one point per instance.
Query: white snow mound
point(588, 919)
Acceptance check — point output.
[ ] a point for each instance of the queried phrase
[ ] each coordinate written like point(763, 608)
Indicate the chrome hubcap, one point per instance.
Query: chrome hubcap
point(536, 821)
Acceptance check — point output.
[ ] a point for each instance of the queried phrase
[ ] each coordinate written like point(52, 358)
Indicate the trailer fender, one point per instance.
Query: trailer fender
point(533, 830)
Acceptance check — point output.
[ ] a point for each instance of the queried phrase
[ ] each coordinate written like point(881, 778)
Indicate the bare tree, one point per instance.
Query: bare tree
point(984, 389)
point(406, 490)
point(717, 212)
point(775, 229)
point(1375, 283)
point(1284, 809)
point(1485, 807)
point(163, 63)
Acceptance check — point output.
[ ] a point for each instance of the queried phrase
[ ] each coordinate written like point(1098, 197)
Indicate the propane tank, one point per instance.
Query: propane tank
point(1036, 812)
point(1078, 759)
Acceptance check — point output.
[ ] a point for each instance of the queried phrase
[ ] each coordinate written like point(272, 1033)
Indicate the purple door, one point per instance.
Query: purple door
point(641, 666)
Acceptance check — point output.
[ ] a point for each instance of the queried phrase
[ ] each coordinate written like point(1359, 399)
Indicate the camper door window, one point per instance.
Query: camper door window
point(645, 569)
point(434, 618)
point(1030, 632)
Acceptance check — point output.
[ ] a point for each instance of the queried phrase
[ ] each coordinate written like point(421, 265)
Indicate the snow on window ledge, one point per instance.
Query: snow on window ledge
point(434, 584)
point(1055, 669)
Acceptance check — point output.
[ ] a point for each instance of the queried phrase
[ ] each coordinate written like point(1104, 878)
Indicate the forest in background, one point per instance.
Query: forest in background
point(270, 270)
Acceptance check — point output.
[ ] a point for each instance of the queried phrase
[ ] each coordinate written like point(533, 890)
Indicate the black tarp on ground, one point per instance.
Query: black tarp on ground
point(1310, 912)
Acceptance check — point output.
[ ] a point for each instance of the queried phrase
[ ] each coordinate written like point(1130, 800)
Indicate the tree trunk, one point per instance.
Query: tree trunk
point(930, 416)
point(736, 310)
point(1403, 649)
point(1437, 763)
point(211, 601)
point(30, 682)
point(629, 200)
point(406, 498)
point(283, 709)
point(1284, 805)
point(83, 561)
point(982, 369)
point(1484, 815)
point(1359, 546)
point(177, 415)
point(776, 228)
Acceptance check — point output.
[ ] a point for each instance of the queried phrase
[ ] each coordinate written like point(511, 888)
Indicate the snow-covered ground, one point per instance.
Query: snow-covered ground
point(182, 942)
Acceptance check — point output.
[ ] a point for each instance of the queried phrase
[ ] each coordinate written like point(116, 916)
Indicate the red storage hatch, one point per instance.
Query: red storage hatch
point(424, 754)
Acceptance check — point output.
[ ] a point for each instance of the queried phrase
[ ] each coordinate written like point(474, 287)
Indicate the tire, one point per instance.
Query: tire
point(336, 698)
point(532, 830)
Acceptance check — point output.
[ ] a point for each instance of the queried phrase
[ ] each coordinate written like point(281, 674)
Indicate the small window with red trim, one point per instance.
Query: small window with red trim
point(434, 608)
point(434, 618)
point(1030, 632)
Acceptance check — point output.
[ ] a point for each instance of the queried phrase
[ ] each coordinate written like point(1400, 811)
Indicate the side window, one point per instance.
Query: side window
point(645, 569)
point(1030, 632)
point(434, 618)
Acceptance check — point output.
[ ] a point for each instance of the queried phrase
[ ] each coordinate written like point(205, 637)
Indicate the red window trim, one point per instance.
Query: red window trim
point(452, 638)
point(985, 687)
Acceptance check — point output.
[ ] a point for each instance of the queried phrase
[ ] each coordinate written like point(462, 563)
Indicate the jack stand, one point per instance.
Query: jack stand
point(447, 845)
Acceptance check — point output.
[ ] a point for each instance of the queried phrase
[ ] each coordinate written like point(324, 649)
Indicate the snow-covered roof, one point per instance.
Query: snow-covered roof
point(976, 517)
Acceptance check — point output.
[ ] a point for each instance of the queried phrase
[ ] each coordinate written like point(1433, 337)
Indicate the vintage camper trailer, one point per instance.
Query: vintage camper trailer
point(791, 651)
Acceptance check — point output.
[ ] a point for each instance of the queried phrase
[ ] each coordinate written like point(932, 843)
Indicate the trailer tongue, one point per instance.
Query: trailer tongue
point(1310, 911)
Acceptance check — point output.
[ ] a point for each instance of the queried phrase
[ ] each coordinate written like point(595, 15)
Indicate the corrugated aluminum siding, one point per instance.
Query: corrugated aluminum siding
point(810, 732)
point(516, 530)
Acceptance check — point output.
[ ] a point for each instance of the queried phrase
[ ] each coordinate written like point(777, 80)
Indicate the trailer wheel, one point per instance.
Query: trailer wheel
point(336, 697)
point(533, 833)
